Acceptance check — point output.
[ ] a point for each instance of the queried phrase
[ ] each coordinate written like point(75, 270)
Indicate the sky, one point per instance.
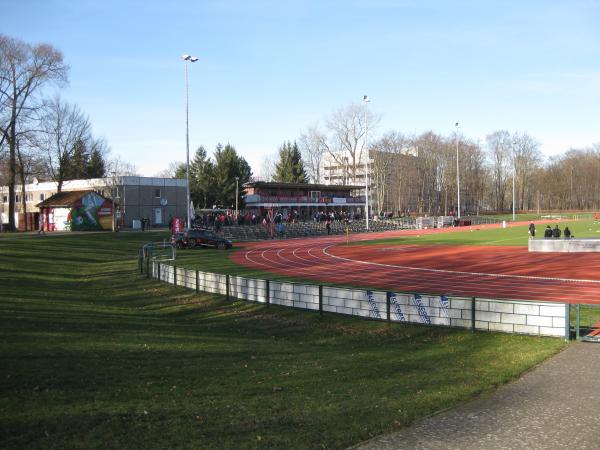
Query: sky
point(267, 70)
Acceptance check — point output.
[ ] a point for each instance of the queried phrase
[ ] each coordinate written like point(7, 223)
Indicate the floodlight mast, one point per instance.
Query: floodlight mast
point(514, 174)
point(366, 100)
point(191, 59)
point(457, 172)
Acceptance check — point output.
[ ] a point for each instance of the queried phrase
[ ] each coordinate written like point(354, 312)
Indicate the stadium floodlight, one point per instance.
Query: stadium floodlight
point(366, 100)
point(514, 174)
point(457, 172)
point(192, 59)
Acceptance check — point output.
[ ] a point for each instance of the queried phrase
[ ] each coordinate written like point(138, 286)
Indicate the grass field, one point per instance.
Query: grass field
point(512, 235)
point(96, 356)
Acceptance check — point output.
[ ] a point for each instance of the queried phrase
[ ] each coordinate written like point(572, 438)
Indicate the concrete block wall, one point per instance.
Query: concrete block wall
point(536, 318)
point(295, 295)
point(248, 289)
point(212, 282)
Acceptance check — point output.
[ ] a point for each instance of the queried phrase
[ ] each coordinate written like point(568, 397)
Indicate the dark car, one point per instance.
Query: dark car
point(199, 238)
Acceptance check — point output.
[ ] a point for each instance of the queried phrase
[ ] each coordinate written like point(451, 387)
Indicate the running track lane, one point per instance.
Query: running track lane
point(487, 272)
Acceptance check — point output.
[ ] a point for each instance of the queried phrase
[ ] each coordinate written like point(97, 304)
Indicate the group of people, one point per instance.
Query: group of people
point(551, 233)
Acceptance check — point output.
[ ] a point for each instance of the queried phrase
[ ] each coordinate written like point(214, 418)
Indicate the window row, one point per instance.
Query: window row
point(28, 197)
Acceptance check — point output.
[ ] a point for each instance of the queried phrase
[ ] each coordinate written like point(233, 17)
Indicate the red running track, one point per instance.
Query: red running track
point(472, 271)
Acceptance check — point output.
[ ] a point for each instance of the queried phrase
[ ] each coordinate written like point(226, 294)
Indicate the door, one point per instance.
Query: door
point(158, 216)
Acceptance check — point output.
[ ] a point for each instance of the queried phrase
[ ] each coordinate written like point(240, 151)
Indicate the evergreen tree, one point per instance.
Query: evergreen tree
point(96, 165)
point(290, 167)
point(75, 166)
point(202, 177)
point(228, 166)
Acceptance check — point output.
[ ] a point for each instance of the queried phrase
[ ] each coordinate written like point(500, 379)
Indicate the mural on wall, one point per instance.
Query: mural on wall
point(91, 212)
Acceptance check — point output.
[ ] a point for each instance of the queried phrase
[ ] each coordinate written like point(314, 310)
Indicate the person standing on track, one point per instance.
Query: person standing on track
point(548, 232)
point(532, 230)
point(328, 225)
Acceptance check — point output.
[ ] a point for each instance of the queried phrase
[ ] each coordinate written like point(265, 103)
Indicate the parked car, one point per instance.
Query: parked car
point(199, 238)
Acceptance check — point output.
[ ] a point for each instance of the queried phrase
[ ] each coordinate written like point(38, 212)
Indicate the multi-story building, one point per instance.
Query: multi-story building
point(384, 172)
point(155, 199)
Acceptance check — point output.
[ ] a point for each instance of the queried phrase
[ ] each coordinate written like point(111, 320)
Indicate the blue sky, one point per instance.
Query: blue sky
point(269, 69)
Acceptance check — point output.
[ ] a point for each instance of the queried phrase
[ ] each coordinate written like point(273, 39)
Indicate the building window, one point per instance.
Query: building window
point(157, 193)
point(29, 196)
point(42, 197)
point(17, 198)
point(5, 199)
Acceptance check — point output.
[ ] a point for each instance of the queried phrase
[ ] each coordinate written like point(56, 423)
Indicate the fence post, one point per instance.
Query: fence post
point(388, 298)
point(158, 271)
point(197, 281)
point(567, 322)
point(577, 320)
point(148, 268)
point(227, 286)
point(268, 287)
point(141, 262)
point(321, 299)
point(175, 276)
point(473, 315)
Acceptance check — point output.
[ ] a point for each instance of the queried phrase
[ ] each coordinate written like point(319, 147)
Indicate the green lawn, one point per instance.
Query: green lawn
point(512, 235)
point(543, 216)
point(94, 355)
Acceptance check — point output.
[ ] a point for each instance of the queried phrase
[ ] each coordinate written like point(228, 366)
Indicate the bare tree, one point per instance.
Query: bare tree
point(499, 145)
point(63, 126)
point(313, 145)
point(527, 159)
point(24, 71)
point(390, 169)
point(117, 166)
point(267, 169)
point(346, 144)
point(170, 171)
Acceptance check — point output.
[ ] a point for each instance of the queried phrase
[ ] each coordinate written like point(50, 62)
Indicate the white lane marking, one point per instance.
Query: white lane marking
point(457, 272)
point(450, 285)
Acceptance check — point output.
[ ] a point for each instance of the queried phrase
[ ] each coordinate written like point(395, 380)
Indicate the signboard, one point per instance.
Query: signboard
point(176, 225)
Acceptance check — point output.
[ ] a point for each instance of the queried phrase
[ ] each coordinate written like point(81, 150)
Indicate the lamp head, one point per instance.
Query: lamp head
point(189, 58)
point(366, 98)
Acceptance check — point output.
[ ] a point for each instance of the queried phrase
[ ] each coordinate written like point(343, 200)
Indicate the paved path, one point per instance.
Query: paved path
point(555, 406)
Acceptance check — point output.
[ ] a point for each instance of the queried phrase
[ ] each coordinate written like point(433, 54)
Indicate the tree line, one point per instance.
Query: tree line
point(41, 136)
point(419, 173)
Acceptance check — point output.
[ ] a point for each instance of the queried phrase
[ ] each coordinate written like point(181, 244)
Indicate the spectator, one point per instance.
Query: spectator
point(556, 232)
point(328, 225)
point(567, 233)
point(41, 227)
point(548, 232)
point(532, 230)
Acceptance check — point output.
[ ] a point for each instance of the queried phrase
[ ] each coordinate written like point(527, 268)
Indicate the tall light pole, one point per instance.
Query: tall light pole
point(237, 179)
point(513, 180)
point(457, 172)
point(191, 59)
point(366, 100)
